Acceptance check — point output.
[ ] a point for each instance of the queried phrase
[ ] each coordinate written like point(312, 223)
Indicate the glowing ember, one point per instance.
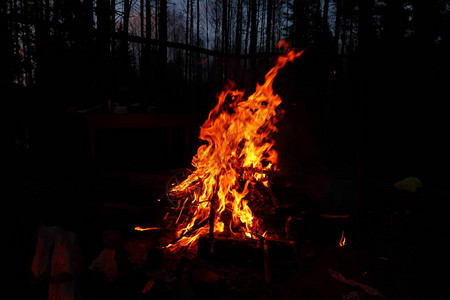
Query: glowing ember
point(138, 228)
point(231, 168)
point(342, 240)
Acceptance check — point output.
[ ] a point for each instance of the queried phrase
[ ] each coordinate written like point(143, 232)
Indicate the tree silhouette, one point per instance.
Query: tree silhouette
point(98, 45)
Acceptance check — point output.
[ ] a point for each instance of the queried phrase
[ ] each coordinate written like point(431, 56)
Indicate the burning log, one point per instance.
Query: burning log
point(189, 232)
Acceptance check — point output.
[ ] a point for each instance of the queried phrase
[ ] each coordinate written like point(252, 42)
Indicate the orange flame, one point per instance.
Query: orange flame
point(235, 159)
point(342, 240)
point(139, 228)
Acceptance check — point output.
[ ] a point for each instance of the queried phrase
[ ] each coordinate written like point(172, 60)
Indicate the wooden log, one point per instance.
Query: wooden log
point(57, 259)
point(40, 267)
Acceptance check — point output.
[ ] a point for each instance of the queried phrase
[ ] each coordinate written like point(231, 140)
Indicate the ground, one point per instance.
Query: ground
point(393, 252)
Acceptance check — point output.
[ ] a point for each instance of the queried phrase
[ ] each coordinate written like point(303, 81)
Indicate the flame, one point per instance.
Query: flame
point(342, 240)
point(139, 228)
point(232, 164)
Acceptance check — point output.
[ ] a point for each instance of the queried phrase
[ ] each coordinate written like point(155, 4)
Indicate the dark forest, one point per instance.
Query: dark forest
point(104, 100)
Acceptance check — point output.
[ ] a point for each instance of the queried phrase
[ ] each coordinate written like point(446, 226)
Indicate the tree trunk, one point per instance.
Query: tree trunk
point(112, 24)
point(325, 26)
point(103, 45)
point(229, 23)
point(162, 52)
point(317, 24)
point(186, 38)
point(247, 29)
point(163, 35)
point(344, 35)
point(207, 24)
point(217, 26)
point(365, 25)
point(198, 24)
point(225, 26)
point(148, 20)
point(274, 21)
point(197, 56)
point(141, 29)
point(262, 19)
point(6, 50)
point(253, 27)
point(15, 30)
point(28, 70)
point(126, 15)
point(56, 10)
point(393, 22)
point(146, 60)
point(269, 26)
point(238, 37)
point(337, 24)
point(47, 10)
point(191, 31)
point(43, 53)
point(156, 19)
point(425, 21)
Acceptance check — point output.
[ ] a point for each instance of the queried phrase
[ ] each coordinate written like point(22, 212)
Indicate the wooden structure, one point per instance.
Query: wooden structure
point(186, 122)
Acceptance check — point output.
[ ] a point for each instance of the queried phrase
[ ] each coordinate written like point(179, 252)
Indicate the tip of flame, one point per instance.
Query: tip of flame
point(283, 43)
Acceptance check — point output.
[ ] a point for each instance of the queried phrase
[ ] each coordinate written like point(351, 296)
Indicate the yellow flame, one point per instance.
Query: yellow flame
point(342, 240)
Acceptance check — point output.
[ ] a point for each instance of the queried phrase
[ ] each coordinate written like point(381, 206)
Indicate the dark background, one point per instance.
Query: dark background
point(365, 105)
